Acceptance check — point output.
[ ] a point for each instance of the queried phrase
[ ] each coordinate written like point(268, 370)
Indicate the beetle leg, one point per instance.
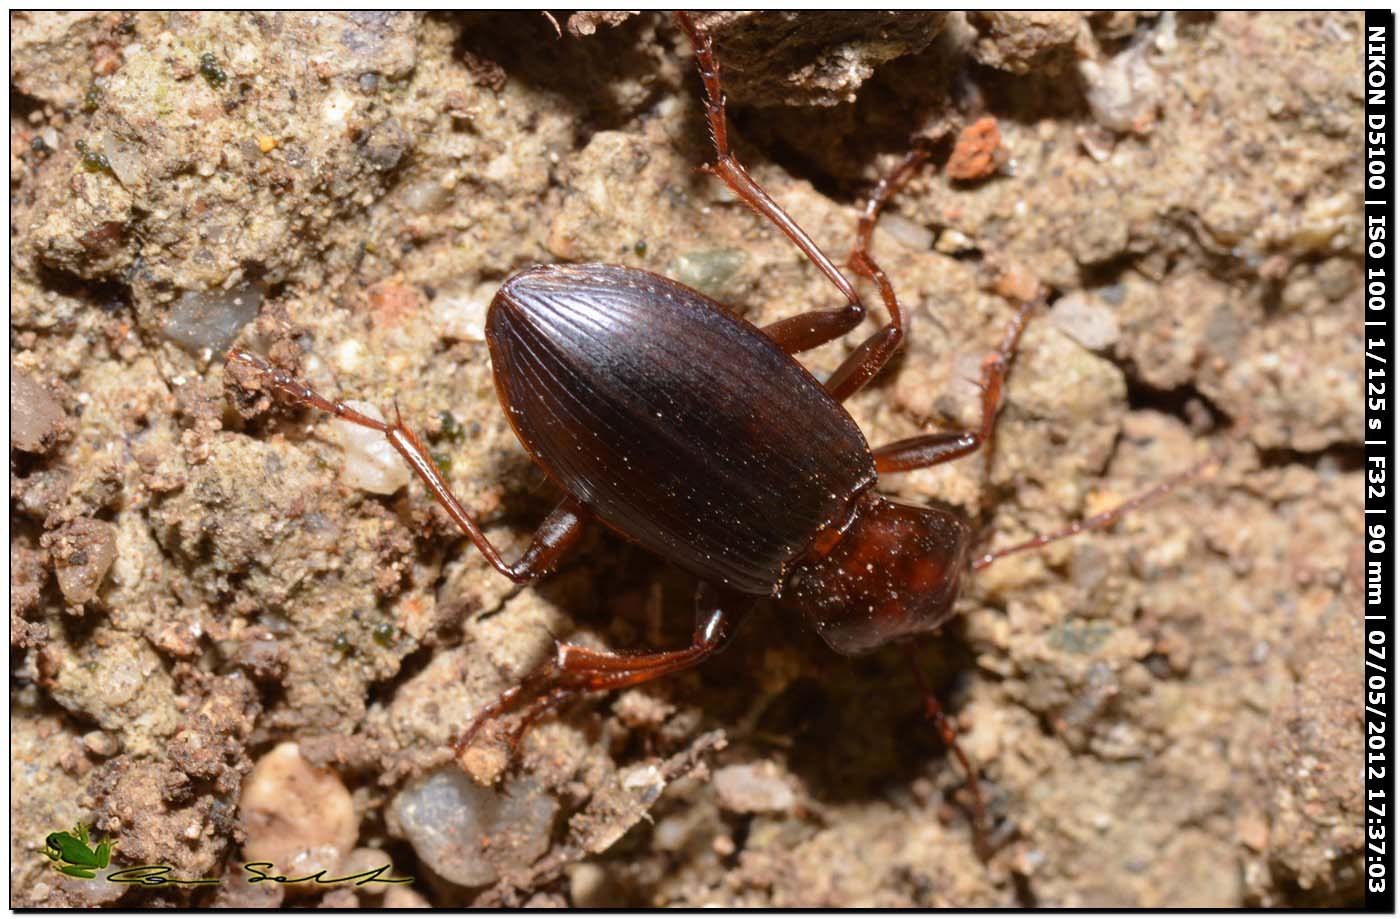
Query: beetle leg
point(809, 330)
point(934, 712)
point(576, 670)
point(552, 540)
point(798, 333)
point(558, 534)
point(942, 446)
point(866, 361)
point(806, 331)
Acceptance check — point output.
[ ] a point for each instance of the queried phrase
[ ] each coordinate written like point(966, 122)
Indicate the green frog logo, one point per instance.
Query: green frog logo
point(73, 855)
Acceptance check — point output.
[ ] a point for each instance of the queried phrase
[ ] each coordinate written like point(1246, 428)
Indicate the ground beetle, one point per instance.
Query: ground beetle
point(697, 435)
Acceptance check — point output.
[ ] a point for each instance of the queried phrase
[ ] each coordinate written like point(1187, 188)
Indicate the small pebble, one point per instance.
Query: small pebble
point(472, 835)
point(589, 887)
point(1087, 320)
point(707, 270)
point(426, 196)
point(125, 158)
point(405, 898)
point(340, 898)
point(1253, 831)
point(646, 782)
point(91, 892)
point(749, 788)
point(1123, 92)
point(671, 833)
point(36, 417)
point(953, 242)
point(237, 891)
point(1017, 283)
point(100, 743)
point(460, 312)
point(909, 234)
point(390, 302)
point(1099, 142)
point(212, 319)
point(1088, 566)
point(299, 817)
point(1029, 861)
point(484, 763)
point(1113, 295)
point(371, 463)
point(978, 152)
point(82, 552)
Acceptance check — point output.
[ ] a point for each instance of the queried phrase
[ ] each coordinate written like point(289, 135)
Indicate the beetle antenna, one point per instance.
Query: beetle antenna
point(934, 712)
point(1100, 521)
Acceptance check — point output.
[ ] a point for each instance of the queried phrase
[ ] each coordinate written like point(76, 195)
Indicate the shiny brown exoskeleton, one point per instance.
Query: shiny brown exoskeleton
point(697, 435)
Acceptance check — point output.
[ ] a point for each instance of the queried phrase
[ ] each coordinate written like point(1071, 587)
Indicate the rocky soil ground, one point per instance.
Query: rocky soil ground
point(226, 648)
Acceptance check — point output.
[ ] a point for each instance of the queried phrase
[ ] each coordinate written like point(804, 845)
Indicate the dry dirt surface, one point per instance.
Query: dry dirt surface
point(225, 646)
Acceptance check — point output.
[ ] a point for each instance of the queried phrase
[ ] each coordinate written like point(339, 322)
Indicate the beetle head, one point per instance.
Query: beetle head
point(893, 573)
